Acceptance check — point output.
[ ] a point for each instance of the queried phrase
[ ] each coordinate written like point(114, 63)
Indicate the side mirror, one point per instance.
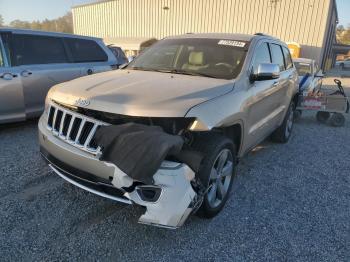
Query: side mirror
point(265, 72)
point(131, 58)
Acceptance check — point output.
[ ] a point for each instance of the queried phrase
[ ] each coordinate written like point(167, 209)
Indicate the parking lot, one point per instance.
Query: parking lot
point(290, 202)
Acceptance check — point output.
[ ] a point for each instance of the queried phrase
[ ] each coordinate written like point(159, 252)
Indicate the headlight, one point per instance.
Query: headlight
point(198, 125)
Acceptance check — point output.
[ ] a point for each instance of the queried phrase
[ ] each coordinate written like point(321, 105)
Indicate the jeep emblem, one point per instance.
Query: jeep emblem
point(82, 102)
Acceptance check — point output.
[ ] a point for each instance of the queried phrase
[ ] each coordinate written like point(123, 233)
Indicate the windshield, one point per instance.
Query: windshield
point(303, 68)
point(214, 58)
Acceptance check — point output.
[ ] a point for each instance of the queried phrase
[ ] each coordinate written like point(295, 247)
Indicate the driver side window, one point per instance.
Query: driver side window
point(262, 55)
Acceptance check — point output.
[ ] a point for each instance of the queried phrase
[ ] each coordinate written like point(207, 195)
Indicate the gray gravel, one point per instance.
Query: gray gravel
point(290, 203)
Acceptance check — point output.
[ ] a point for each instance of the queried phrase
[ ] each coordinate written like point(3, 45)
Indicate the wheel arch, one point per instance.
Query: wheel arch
point(235, 133)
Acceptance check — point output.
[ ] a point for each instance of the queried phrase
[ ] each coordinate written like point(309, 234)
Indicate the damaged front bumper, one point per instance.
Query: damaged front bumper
point(168, 201)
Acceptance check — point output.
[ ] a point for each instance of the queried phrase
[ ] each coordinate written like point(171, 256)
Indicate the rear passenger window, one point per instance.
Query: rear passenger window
point(277, 56)
point(83, 50)
point(287, 58)
point(36, 49)
point(262, 56)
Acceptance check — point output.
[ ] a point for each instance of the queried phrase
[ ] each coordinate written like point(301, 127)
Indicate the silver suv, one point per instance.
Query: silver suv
point(31, 62)
point(167, 131)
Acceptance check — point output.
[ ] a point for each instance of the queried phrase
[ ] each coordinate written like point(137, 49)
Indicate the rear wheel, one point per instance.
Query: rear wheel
point(283, 133)
point(216, 172)
point(337, 120)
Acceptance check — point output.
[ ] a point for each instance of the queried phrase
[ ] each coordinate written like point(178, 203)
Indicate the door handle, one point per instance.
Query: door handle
point(7, 76)
point(26, 73)
point(275, 84)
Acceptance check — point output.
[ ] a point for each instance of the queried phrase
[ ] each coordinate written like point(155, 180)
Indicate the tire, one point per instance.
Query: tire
point(218, 183)
point(283, 133)
point(337, 120)
point(322, 117)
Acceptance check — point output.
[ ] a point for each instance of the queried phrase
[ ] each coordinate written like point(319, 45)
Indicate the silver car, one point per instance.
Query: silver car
point(211, 98)
point(31, 62)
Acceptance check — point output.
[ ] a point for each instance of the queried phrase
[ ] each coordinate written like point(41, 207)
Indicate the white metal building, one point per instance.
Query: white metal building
point(311, 23)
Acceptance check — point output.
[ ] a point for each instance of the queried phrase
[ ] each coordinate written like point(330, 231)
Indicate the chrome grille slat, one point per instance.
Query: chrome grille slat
point(90, 136)
point(79, 131)
point(70, 126)
point(81, 124)
point(54, 119)
point(62, 121)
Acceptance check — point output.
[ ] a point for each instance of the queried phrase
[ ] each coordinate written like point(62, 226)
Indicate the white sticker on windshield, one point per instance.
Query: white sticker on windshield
point(231, 43)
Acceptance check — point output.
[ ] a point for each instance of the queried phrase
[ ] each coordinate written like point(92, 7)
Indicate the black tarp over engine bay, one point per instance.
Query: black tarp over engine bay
point(138, 150)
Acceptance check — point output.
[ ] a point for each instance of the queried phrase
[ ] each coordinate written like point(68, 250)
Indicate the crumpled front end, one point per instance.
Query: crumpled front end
point(67, 144)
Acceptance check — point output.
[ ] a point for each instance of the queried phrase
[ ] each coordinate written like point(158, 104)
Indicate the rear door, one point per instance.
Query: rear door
point(11, 93)
point(90, 55)
point(42, 62)
point(281, 98)
point(291, 76)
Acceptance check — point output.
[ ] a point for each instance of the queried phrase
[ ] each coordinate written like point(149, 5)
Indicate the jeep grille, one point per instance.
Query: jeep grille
point(74, 128)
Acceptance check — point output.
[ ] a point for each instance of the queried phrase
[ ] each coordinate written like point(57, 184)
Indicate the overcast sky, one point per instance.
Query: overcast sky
point(30, 10)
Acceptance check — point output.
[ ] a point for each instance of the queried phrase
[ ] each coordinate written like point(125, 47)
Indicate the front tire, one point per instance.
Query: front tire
point(216, 172)
point(283, 133)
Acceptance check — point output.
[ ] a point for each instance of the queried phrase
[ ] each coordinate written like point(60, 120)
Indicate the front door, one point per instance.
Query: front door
point(264, 103)
point(11, 93)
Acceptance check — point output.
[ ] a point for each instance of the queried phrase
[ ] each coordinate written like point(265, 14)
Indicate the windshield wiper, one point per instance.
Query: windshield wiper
point(184, 72)
point(173, 71)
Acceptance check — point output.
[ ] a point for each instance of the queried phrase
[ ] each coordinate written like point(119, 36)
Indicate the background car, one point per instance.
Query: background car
point(310, 75)
point(33, 61)
point(119, 55)
point(343, 63)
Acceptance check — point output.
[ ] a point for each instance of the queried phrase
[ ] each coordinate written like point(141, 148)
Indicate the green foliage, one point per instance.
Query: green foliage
point(343, 35)
point(62, 24)
point(1, 21)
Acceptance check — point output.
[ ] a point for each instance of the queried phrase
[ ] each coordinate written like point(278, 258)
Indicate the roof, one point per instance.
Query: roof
point(43, 33)
point(226, 36)
point(241, 37)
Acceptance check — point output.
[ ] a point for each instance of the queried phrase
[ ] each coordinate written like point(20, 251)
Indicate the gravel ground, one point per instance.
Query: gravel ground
point(290, 203)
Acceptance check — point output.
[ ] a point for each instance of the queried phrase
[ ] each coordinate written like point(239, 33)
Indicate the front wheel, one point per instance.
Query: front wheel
point(283, 133)
point(216, 172)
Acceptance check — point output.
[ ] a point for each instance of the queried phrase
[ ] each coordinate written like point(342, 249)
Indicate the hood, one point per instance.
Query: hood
point(140, 93)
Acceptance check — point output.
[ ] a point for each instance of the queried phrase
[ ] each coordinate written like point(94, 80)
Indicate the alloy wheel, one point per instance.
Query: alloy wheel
point(220, 178)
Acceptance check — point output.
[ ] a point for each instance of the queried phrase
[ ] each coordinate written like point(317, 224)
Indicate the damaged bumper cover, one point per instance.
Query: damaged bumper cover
point(168, 200)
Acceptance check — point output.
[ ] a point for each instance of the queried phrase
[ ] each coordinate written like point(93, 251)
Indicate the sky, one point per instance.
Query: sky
point(30, 10)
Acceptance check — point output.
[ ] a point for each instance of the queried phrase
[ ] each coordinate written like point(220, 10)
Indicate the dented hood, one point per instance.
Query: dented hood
point(140, 93)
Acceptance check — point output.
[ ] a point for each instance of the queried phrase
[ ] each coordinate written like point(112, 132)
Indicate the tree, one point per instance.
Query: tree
point(1, 21)
point(62, 24)
point(343, 35)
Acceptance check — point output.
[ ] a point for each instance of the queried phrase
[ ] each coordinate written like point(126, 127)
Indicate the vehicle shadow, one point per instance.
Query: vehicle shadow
point(17, 125)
